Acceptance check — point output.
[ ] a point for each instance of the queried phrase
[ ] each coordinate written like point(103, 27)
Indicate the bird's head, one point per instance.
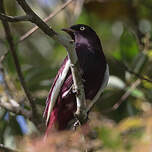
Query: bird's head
point(83, 34)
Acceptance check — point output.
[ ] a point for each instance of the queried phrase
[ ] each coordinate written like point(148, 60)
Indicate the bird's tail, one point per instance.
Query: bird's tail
point(51, 126)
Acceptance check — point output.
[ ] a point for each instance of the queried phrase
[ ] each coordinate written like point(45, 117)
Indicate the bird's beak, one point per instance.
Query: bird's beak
point(69, 31)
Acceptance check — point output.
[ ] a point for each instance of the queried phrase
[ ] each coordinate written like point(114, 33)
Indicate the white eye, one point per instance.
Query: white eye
point(82, 28)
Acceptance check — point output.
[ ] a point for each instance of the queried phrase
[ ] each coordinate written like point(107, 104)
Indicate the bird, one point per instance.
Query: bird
point(61, 101)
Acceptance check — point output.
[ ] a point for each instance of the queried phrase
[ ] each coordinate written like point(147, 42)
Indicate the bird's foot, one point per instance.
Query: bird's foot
point(74, 90)
point(77, 124)
point(81, 116)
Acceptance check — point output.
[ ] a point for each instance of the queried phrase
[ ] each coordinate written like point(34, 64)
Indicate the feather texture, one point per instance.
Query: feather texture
point(61, 102)
point(54, 91)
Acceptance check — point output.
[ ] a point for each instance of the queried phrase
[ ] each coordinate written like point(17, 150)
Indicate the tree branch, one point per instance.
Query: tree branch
point(17, 65)
point(14, 18)
point(30, 32)
point(13, 106)
point(36, 19)
point(2, 58)
point(124, 96)
point(80, 113)
point(132, 72)
point(136, 74)
point(69, 45)
point(138, 81)
point(27, 18)
point(7, 101)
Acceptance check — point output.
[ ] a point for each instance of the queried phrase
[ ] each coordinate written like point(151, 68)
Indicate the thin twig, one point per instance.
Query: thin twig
point(132, 87)
point(139, 76)
point(136, 74)
point(36, 19)
point(13, 106)
point(138, 81)
point(17, 64)
point(14, 18)
point(78, 86)
point(124, 96)
point(4, 83)
point(35, 28)
point(2, 58)
point(30, 32)
point(67, 43)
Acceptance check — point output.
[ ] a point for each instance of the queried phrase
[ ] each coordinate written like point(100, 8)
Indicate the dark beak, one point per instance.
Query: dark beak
point(69, 31)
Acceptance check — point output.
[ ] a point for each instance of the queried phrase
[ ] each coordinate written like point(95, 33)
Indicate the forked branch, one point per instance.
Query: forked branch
point(70, 47)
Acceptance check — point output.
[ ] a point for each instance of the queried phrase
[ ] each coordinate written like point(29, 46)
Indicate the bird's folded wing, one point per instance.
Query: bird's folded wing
point(54, 91)
point(103, 85)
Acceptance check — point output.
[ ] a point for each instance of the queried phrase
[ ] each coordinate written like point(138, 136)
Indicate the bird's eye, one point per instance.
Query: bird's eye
point(82, 28)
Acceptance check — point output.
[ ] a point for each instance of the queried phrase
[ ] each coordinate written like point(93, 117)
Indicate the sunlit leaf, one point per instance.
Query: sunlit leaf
point(139, 62)
point(130, 123)
point(128, 46)
point(137, 93)
point(110, 138)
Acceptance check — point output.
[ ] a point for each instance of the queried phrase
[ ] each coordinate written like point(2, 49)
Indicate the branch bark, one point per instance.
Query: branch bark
point(2, 58)
point(126, 68)
point(30, 32)
point(7, 101)
point(27, 18)
point(17, 64)
point(136, 74)
point(36, 19)
point(70, 47)
point(124, 96)
point(13, 106)
point(14, 18)
point(80, 113)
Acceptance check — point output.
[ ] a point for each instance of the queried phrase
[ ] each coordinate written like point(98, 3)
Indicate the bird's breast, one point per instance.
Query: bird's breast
point(92, 66)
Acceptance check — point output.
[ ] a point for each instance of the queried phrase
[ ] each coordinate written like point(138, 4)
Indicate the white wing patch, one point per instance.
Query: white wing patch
point(104, 84)
point(59, 83)
point(56, 89)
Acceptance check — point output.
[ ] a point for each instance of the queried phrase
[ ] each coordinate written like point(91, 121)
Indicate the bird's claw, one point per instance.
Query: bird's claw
point(74, 89)
point(77, 124)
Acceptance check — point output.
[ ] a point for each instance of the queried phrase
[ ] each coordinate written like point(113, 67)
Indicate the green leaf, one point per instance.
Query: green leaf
point(139, 62)
point(137, 93)
point(110, 138)
point(128, 46)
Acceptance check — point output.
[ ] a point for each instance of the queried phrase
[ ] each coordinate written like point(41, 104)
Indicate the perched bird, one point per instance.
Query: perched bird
point(61, 102)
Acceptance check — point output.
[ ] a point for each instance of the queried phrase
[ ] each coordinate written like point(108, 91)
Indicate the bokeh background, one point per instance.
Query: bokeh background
point(125, 30)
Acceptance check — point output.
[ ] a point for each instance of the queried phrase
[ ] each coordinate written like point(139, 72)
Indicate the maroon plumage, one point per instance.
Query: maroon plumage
point(61, 102)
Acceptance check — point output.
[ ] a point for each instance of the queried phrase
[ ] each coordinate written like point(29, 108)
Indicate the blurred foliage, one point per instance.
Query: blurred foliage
point(99, 135)
point(125, 29)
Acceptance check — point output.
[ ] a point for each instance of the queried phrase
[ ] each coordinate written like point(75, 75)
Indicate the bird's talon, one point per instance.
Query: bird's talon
point(77, 123)
point(92, 65)
point(74, 90)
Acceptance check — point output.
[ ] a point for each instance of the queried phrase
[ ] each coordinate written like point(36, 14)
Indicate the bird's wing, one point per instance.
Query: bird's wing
point(103, 85)
point(54, 91)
